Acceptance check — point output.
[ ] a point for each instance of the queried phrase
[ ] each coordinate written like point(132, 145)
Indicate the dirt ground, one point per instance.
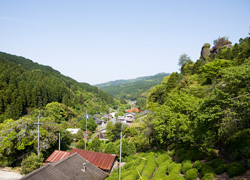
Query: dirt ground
point(224, 176)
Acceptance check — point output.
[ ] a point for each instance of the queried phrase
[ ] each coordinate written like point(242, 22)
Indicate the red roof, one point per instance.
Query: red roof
point(134, 109)
point(57, 155)
point(101, 160)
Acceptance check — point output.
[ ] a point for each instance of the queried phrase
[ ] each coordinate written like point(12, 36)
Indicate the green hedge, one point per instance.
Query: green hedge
point(186, 165)
point(162, 170)
point(191, 174)
point(198, 165)
point(134, 173)
point(221, 169)
point(150, 167)
point(174, 177)
point(208, 176)
point(206, 168)
point(161, 158)
point(132, 164)
point(174, 168)
point(114, 175)
point(216, 162)
point(235, 169)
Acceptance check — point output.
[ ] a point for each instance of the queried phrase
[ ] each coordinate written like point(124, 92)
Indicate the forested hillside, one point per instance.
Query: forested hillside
point(25, 84)
point(208, 104)
point(200, 126)
point(133, 88)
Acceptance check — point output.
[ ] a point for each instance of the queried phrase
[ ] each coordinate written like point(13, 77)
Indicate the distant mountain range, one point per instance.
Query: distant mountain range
point(131, 88)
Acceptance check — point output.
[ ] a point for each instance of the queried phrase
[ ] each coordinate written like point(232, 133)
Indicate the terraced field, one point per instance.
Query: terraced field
point(179, 165)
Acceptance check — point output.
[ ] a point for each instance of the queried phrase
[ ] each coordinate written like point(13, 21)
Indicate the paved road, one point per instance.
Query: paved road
point(9, 175)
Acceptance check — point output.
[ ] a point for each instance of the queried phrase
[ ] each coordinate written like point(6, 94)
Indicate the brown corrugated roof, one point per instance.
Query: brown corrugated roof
point(57, 155)
point(101, 160)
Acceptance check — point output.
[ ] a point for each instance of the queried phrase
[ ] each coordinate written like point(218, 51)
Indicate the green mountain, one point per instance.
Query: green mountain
point(25, 84)
point(132, 88)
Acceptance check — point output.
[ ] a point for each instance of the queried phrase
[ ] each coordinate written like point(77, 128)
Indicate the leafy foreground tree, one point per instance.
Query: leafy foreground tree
point(31, 163)
point(18, 138)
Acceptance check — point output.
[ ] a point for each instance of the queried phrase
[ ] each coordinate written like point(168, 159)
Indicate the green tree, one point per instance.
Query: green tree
point(31, 163)
point(95, 145)
point(91, 124)
point(113, 130)
point(111, 149)
point(184, 59)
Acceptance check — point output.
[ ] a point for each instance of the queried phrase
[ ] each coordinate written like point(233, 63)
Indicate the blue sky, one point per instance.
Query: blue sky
point(96, 41)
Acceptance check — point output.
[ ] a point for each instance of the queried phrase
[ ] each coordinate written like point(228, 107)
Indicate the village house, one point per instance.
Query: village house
point(130, 117)
point(73, 130)
point(72, 167)
point(104, 161)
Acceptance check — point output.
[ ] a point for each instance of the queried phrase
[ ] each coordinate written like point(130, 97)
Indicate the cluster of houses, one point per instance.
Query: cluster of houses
point(81, 164)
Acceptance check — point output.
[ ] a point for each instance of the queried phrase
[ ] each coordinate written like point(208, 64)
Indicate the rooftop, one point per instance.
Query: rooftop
point(69, 168)
point(57, 155)
point(102, 160)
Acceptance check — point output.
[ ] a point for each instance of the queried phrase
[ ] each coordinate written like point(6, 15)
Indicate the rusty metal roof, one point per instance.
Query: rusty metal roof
point(101, 160)
point(57, 155)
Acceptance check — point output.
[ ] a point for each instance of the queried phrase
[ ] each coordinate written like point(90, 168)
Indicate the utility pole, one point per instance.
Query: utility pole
point(86, 131)
point(59, 141)
point(120, 157)
point(120, 149)
point(38, 138)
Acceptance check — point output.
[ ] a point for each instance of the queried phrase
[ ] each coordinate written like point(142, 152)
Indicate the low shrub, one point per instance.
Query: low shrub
point(134, 173)
point(174, 177)
point(186, 165)
point(161, 158)
point(174, 168)
point(162, 170)
point(150, 167)
point(113, 176)
point(208, 176)
point(132, 164)
point(221, 169)
point(191, 174)
point(235, 169)
point(206, 168)
point(197, 164)
point(216, 162)
point(126, 173)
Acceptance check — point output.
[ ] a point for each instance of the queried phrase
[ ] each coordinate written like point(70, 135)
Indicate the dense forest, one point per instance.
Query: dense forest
point(25, 85)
